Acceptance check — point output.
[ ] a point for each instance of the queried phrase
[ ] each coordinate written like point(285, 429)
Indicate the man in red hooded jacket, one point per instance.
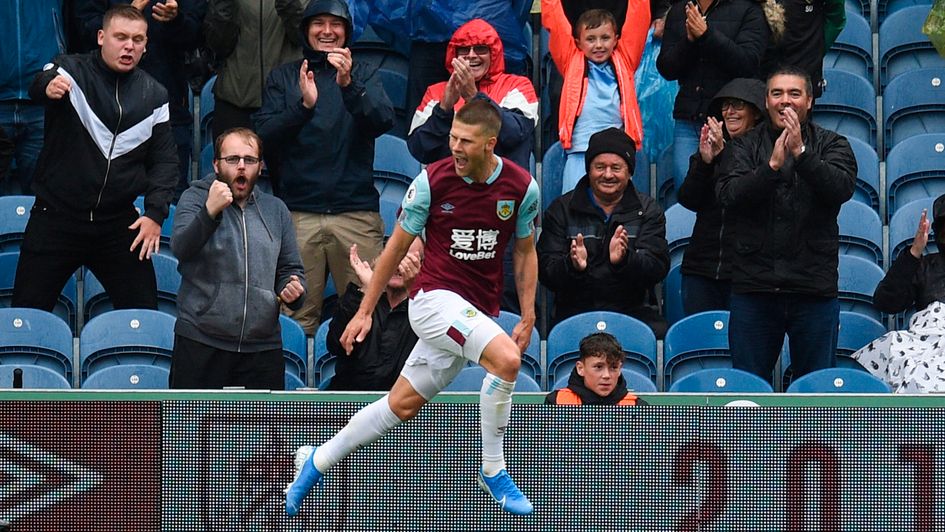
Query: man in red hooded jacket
point(475, 60)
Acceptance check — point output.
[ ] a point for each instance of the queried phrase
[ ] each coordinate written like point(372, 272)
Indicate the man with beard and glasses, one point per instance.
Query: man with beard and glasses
point(783, 184)
point(238, 263)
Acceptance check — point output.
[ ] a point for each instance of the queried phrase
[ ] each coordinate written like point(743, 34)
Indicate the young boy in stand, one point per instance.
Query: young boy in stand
point(596, 378)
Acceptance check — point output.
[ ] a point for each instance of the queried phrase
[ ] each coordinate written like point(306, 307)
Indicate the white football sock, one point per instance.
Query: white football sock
point(495, 406)
point(366, 427)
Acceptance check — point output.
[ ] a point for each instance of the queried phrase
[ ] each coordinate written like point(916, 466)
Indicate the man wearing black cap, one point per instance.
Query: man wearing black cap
point(320, 115)
point(603, 245)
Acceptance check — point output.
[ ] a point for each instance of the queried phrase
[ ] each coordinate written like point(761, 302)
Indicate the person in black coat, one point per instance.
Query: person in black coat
point(603, 245)
point(783, 184)
point(706, 269)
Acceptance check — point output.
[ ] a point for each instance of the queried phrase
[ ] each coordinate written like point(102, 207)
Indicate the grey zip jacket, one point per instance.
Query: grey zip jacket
point(232, 268)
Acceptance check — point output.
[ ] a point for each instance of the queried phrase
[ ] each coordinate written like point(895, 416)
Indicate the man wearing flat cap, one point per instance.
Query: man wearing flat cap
point(603, 245)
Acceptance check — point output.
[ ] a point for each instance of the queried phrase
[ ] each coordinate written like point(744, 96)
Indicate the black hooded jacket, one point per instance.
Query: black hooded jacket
point(576, 385)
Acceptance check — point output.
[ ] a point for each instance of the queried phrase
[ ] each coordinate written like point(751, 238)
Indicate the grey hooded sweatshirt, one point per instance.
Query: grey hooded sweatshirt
point(232, 268)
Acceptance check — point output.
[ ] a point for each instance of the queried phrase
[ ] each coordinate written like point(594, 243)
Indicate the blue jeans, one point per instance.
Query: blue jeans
point(759, 322)
point(23, 123)
point(685, 143)
point(700, 294)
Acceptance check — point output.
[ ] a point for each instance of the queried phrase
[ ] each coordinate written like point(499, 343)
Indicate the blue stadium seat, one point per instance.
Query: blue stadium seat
point(696, 342)
point(679, 224)
point(168, 278)
point(672, 295)
point(552, 174)
point(34, 377)
point(856, 330)
point(867, 173)
point(847, 106)
point(838, 380)
point(65, 308)
point(129, 377)
point(903, 224)
point(665, 187)
point(131, 336)
point(389, 206)
point(915, 169)
point(323, 362)
point(206, 111)
point(14, 213)
point(393, 161)
point(721, 380)
point(858, 7)
point(641, 173)
point(166, 228)
point(531, 358)
point(395, 85)
point(206, 161)
point(853, 49)
point(35, 337)
point(470, 379)
point(903, 47)
point(861, 232)
point(885, 8)
point(295, 352)
point(913, 104)
point(858, 280)
point(636, 338)
point(636, 382)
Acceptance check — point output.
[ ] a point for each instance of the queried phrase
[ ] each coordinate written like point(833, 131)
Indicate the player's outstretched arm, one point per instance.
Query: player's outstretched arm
point(525, 264)
point(387, 263)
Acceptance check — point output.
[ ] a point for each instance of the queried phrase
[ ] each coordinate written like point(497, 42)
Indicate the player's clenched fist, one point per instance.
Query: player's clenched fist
point(58, 87)
point(219, 198)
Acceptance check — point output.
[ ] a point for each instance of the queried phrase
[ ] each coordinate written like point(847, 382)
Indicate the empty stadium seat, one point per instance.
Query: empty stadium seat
point(855, 331)
point(33, 377)
point(531, 358)
point(885, 8)
point(694, 343)
point(636, 338)
point(129, 377)
point(847, 106)
point(867, 173)
point(853, 49)
point(915, 169)
point(14, 213)
point(323, 362)
point(679, 224)
point(207, 101)
point(636, 382)
point(859, 7)
point(913, 104)
point(838, 380)
point(35, 337)
point(470, 379)
point(295, 352)
point(168, 279)
point(672, 295)
point(206, 161)
point(665, 186)
point(858, 280)
point(131, 336)
point(393, 161)
point(903, 224)
point(65, 307)
point(861, 232)
point(721, 380)
point(903, 47)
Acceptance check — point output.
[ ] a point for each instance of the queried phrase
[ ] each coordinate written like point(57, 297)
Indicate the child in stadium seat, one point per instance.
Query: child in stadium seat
point(596, 378)
point(597, 62)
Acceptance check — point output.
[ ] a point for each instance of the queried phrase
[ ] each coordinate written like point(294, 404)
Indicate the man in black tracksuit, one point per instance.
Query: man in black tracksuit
point(783, 184)
point(108, 140)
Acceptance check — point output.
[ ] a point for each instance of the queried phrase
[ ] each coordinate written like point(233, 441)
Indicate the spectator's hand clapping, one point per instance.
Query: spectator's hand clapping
point(292, 290)
point(58, 87)
point(921, 235)
point(164, 12)
point(779, 152)
point(711, 140)
point(465, 80)
point(307, 86)
point(695, 23)
point(340, 58)
point(793, 142)
point(409, 266)
point(579, 253)
point(361, 268)
point(619, 245)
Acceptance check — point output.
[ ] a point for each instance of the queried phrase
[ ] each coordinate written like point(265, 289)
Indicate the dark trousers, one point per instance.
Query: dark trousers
point(700, 294)
point(198, 366)
point(55, 246)
point(758, 323)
